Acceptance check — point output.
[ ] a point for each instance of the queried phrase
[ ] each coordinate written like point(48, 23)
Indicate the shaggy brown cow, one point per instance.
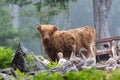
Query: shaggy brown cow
point(61, 41)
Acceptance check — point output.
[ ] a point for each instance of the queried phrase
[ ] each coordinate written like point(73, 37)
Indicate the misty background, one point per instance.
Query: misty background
point(25, 18)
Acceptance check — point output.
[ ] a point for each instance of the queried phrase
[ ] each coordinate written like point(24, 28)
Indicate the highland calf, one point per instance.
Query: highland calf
point(61, 41)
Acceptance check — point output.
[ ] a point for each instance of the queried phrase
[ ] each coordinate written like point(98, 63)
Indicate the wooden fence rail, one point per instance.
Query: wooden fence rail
point(108, 40)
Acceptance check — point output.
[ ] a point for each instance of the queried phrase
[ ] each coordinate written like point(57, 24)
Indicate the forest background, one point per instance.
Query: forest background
point(18, 19)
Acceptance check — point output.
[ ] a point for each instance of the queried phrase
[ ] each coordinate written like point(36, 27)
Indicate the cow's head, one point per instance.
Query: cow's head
point(46, 31)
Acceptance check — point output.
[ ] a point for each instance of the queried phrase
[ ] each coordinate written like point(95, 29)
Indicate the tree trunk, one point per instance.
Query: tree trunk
point(14, 11)
point(68, 15)
point(101, 10)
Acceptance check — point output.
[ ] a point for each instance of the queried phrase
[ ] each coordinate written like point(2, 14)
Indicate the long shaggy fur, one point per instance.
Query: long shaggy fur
point(61, 41)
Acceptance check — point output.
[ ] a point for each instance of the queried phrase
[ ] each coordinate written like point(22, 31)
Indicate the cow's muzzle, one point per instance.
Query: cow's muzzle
point(46, 38)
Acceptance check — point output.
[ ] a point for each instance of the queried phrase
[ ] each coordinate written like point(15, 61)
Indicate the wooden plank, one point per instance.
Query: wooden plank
point(104, 52)
point(109, 40)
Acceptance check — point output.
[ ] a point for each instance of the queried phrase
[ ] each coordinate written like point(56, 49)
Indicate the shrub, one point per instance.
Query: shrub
point(5, 57)
point(89, 74)
point(1, 77)
point(115, 75)
point(29, 61)
point(21, 76)
point(41, 76)
point(52, 64)
point(55, 76)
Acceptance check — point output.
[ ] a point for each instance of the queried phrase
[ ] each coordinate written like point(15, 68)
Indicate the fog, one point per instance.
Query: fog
point(81, 14)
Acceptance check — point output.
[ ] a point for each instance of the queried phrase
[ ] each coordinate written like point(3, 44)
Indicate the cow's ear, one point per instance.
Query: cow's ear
point(55, 28)
point(38, 27)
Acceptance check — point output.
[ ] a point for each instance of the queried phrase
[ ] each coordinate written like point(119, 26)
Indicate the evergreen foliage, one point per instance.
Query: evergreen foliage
point(7, 32)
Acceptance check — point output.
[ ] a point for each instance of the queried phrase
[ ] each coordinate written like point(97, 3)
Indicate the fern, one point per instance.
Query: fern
point(115, 75)
point(41, 76)
point(52, 64)
point(55, 76)
point(22, 76)
point(29, 61)
point(89, 74)
point(1, 77)
point(5, 57)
